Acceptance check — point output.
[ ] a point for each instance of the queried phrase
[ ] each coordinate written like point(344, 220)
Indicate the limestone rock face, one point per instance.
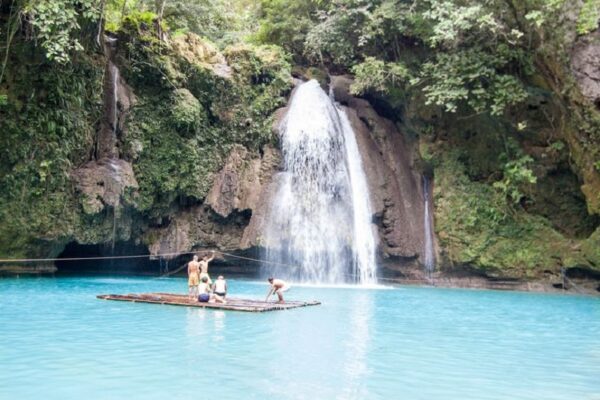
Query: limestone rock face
point(104, 183)
point(198, 52)
point(232, 213)
point(395, 184)
point(195, 228)
point(238, 186)
point(585, 64)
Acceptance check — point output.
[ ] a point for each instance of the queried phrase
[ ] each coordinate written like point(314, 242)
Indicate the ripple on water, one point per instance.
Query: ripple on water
point(59, 341)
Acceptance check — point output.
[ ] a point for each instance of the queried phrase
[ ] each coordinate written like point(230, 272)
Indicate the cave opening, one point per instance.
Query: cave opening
point(112, 266)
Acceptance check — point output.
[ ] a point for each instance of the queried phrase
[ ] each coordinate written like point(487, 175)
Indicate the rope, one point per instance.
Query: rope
point(27, 260)
point(23, 260)
point(229, 255)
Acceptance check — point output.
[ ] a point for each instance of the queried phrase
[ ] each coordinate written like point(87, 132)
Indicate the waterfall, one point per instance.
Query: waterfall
point(115, 97)
point(107, 134)
point(429, 258)
point(319, 223)
point(117, 176)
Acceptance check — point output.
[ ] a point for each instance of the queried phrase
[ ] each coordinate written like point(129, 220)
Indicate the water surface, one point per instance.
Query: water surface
point(57, 341)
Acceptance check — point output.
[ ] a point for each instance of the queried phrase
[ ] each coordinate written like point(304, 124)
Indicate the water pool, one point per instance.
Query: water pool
point(57, 341)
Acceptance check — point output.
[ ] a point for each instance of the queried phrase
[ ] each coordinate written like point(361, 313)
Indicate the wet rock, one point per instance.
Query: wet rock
point(253, 233)
point(237, 187)
point(197, 227)
point(394, 179)
point(585, 64)
point(234, 209)
point(104, 183)
point(38, 269)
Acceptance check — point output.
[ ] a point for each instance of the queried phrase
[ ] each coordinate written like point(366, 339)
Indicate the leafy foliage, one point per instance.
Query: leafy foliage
point(286, 23)
point(588, 17)
point(476, 226)
point(376, 75)
point(470, 77)
point(516, 174)
point(191, 111)
point(57, 24)
point(476, 54)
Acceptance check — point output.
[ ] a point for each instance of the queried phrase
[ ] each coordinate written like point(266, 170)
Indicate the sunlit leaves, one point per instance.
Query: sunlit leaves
point(57, 24)
point(377, 75)
point(452, 22)
point(588, 17)
point(471, 77)
point(516, 175)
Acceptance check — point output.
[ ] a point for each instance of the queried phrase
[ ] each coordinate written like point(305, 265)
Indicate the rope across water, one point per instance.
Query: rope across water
point(175, 254)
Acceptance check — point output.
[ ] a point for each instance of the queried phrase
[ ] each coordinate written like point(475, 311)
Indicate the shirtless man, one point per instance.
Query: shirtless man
point(278, 286)
point(204, 267)
point(193, 278)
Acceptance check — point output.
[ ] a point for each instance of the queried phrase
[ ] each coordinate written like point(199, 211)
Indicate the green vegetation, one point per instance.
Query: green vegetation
point(588, 17)
point(57, 23)
point(484, 86)
point(192, 103)
point(476, 226)
point(470, 53)
point(467, 74)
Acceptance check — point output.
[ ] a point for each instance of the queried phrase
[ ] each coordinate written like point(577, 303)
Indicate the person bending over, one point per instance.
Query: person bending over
point(278, 286)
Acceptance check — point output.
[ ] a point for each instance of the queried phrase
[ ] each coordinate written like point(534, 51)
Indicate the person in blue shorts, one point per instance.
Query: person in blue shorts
point(205, 295)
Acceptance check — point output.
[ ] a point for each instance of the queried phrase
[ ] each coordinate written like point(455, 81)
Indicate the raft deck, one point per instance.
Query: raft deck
point(233, 304)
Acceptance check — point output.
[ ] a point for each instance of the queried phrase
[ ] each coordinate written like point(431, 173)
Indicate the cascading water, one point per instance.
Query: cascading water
point(319, 225)
point(115, 97)
point(107, 135)
point(429, 256)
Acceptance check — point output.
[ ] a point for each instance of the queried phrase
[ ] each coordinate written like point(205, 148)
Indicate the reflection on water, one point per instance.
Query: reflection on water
point(58, 340)
point(357, 346)
point(219, 323)
point(195, 326)
point(199, 323)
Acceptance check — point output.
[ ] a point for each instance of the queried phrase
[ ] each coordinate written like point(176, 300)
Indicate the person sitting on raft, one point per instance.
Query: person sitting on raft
point(205, 295)
point(278, 286)
point(220, 287)
point(193, 277)
point(204, 267)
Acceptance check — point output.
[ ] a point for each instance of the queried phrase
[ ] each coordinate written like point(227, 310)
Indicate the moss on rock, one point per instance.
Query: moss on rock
point(178, 136)
point(187, 112)
point(191, 108)
point(475, 226)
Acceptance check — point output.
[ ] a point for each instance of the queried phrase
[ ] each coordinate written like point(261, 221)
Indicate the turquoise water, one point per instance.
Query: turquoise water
point(57, 341)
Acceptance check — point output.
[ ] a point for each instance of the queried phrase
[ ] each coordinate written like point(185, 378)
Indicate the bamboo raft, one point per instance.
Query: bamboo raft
point(233, 304)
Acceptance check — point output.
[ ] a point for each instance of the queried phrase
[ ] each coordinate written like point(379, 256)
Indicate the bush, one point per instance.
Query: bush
point(187, 112)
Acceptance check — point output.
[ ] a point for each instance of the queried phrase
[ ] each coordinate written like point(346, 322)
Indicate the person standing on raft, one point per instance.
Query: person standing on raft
point(278, 286)
point(193, 277)
point(204, 267)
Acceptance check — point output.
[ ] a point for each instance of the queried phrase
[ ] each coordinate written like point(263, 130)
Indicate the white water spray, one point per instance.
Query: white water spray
point(115, 86)
point(320, 221)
